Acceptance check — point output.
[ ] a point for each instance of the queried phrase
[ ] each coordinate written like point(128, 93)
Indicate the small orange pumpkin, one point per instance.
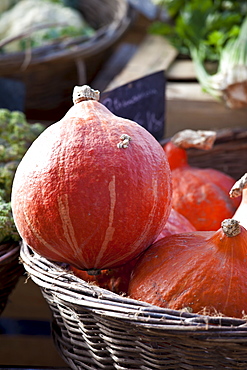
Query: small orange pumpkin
point(196, 270)
point(201, 195)
point(175, 224)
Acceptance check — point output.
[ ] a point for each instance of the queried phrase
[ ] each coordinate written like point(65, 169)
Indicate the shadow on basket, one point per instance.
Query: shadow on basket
point(10, 270)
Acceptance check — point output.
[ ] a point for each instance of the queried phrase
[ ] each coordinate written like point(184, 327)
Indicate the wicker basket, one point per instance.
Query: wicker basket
point(10, 270)
point(228, 154)
point(50, 72)
point(94, 328)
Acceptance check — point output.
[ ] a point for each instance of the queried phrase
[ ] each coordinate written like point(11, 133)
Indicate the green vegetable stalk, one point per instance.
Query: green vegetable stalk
point(211, 31)
point(230, 81)
point(16, 135)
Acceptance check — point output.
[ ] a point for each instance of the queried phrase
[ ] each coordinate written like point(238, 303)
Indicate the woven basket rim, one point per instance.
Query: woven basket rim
point(82, 47)
point(75, 292)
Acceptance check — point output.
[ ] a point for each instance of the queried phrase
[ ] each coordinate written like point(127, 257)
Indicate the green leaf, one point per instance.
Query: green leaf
point(161, 28)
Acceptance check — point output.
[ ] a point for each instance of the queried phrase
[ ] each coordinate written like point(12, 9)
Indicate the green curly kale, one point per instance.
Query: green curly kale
point(7, 172)
point(16, 135)
point(8, 230)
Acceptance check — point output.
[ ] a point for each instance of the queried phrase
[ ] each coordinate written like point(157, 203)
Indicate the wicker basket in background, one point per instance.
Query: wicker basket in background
point(94, 328)
point(10, 270)
point(228, 154)
point(50, 72)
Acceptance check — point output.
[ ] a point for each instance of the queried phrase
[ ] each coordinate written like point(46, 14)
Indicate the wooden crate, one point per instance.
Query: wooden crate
point(187, 106)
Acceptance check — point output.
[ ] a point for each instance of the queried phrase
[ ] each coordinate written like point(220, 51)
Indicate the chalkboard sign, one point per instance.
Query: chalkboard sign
point(142, 101)
point(146, 7)
point(12, 94)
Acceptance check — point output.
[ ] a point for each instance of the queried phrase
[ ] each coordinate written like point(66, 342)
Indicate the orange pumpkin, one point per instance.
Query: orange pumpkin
point(201, 195)
point(94, 190)
point(201, 270)
point(175, 224)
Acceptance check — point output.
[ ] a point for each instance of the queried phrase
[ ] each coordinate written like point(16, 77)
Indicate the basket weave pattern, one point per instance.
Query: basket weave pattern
point(94, 328)
point(228, 154)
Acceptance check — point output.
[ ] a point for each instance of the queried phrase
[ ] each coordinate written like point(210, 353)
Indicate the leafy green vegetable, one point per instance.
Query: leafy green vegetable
point(211, 30)
point(16, 135)
point(7, 172)
point(206, 25)
point(8, 230)
point(54, 34)
point(230, 81)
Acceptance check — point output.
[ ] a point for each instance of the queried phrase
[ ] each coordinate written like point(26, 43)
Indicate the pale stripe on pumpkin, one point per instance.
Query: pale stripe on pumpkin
point(68, 229)
point(110, 229)
point(36, 234)
point(146, 231)
point(152, 214)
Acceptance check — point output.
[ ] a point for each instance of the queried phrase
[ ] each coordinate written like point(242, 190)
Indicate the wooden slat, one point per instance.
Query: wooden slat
point(199, 112)
point(184, 70)
point(154, 54)
point(181, 70)
point(187, 91)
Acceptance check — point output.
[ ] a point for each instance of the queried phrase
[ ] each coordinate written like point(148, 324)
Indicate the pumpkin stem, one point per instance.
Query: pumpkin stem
point(201, 139)
point(231, 227)
point(125, 140)
point(85, 92)
point(238, 187)
point(93, 272)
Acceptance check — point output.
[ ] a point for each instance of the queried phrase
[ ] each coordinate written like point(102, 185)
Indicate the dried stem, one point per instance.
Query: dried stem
point(201, 139)
point(231, 227)
point(85, 92)
point(238, 187)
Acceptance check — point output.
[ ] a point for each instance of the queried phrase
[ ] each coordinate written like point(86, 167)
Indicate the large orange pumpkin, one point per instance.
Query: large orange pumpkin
point(94, 190)
point(201, 271)
point(199, 194)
